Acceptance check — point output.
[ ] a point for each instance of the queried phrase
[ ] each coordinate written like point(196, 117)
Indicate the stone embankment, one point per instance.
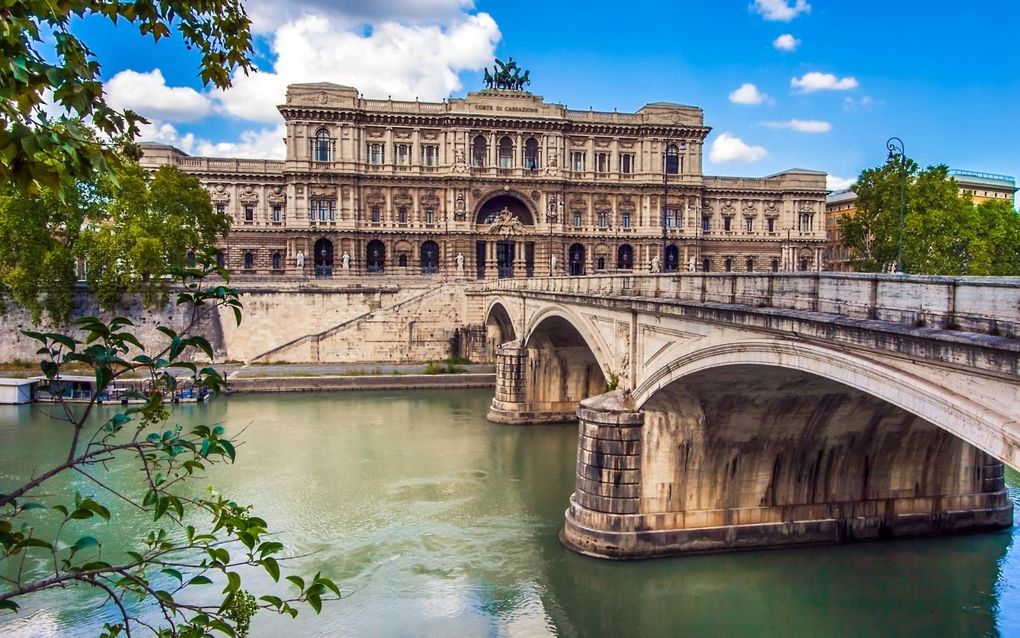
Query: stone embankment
point(327, 383)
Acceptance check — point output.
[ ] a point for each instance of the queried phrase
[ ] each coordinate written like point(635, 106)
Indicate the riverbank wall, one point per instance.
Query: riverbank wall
point(327, 383)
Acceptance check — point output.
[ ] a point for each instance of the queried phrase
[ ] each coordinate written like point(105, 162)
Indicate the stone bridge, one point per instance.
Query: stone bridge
point(728, 411)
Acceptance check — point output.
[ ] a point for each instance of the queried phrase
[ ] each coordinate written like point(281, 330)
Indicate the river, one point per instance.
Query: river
point(435, 522)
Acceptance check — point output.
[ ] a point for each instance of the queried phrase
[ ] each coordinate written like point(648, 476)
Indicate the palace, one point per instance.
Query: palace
point(499, 184)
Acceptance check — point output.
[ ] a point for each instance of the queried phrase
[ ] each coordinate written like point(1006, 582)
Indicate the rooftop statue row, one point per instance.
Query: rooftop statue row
point(506, 75)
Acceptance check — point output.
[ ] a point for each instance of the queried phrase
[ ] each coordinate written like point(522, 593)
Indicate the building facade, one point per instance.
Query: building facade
point(499, 184)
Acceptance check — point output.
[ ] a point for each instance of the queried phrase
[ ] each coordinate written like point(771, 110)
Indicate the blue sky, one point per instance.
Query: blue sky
point(942, 76)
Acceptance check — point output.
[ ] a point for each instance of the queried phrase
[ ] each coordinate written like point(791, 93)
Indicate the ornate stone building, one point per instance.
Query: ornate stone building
point(499, 184)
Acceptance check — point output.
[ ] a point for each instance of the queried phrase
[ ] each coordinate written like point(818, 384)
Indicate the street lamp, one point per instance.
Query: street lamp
point(670, 165)
point(895, 146)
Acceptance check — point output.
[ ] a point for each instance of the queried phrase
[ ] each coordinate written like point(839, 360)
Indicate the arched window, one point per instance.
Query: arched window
point(706, 265)
point(249, 260)
point(277, 261)
point(531, 154)
point(429, 257)
point(479, 151)
point(323, 255)
point(375, 256)
point(672, 160)
point(321, 146)
point(506, 153)
point(625, 257)
point(576, 256)
point(728, 264)
point(775, 264)
point(672, 258)
point(750, 264)
point(804, 262)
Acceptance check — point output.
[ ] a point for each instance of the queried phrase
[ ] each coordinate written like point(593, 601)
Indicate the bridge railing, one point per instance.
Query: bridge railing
point(989, 305)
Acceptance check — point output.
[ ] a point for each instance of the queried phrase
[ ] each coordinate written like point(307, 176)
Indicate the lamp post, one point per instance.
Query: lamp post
point(895, 146)
point(670, 160)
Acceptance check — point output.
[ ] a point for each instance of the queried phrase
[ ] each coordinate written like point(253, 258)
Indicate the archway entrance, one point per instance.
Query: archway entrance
point(576, 259)
point(625, 258)
point(672, 258)
point(323, 258)
point(429, 257)
point(375, 256)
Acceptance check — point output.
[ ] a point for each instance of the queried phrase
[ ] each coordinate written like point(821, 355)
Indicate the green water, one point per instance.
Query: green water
point(437, 523)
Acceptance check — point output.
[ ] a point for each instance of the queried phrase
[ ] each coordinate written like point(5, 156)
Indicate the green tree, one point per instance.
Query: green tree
point(38, 151)
point(944, 233)
point(50, 539)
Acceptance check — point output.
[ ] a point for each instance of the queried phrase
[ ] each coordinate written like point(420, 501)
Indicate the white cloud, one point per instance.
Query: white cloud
point(834, 183)
point(786, 42)
point(815, 81)
point(727, 148)
point(748, 94)
point(781, 10)
point(269, 15)
point(864, 104)
point(148, 94)
point(253, 144)
point(391, 59)
point(801, 126)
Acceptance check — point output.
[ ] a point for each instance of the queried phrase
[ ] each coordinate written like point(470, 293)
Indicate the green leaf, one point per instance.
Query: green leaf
point(298, 581)
point(233, 582)
point(316, 603)
point(33, 542)
point(9, 605)
point(272, 567)
point(200, 580)
point(162, 503)
point(83, 542)
point(95, 507)
point(169, 571)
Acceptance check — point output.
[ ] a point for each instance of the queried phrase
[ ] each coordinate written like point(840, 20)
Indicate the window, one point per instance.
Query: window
point(704, 223)
point(402, 260)
point(192, 260)
point(770, 224)
point(625, 220)
point(601, 162)
point(322, 210)
point(531, 154)
point(577, 220)
point(376, 215)
point(249, 260)
point(706, 265)
point(806, 220)
point(728, 264)
point(750, 264)
point(627, 163)
point(775, 264)
point(672, 160)
point(727, 222)
point(674, 218)
point(402, 215)
point(429, 215)
point(403, 154)
point(221, 259)
point(277, 261)
point(321, 146)
point(748, 225)
point(479, 150)
point(577, 160)
point(249, 214)
point(221, 208)
point(600, 262)
point(603, 219)
point(804, 261)
point(430, 155)
point(506, 153)
point(277, 214)
point(376, 153)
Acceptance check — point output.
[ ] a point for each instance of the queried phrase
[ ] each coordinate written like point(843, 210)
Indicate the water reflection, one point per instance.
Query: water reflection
point(439, 523)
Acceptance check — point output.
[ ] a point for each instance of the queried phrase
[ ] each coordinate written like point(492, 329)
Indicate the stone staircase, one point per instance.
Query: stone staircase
point(420, 328)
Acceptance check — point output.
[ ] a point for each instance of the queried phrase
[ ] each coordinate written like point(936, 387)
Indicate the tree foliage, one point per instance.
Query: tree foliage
point(39, 151)
point(944, 232)
point(195, 542)
point(124, 227)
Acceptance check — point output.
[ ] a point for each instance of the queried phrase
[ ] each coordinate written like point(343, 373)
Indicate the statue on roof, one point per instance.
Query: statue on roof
point(507, 75)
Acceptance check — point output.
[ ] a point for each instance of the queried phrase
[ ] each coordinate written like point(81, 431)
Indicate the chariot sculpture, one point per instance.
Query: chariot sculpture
point(507, 75)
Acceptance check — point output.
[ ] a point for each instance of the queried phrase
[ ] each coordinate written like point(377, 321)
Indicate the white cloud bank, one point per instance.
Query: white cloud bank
point(405, 49)
point(801, 126)
point(786, 42)
point(815, 81)
point(728, 148)
point(748, 94)
point(780, 10)
point(834, 183)
point(148, 94)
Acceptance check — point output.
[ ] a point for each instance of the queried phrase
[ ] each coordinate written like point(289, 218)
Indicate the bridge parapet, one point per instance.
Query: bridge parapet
point(968, 304)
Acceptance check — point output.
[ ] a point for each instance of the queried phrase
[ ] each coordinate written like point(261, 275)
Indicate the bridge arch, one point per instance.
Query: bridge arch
point(596, 344)
point(499, 325)
point(958, 415)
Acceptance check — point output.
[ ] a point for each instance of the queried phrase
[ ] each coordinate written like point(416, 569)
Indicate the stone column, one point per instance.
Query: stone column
point(510, 403)
point(608, 488)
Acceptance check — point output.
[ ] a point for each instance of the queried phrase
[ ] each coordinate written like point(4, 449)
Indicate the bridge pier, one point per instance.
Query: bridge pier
point(745, 460)
point(515, 402)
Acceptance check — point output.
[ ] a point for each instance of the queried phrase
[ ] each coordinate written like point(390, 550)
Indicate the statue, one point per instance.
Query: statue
point(655, 263)
point(552, 266)
point(506, 75)
point(300, 259)
point(692, 265)
point(345, 261)
point(460, 263)
point(506, 224)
